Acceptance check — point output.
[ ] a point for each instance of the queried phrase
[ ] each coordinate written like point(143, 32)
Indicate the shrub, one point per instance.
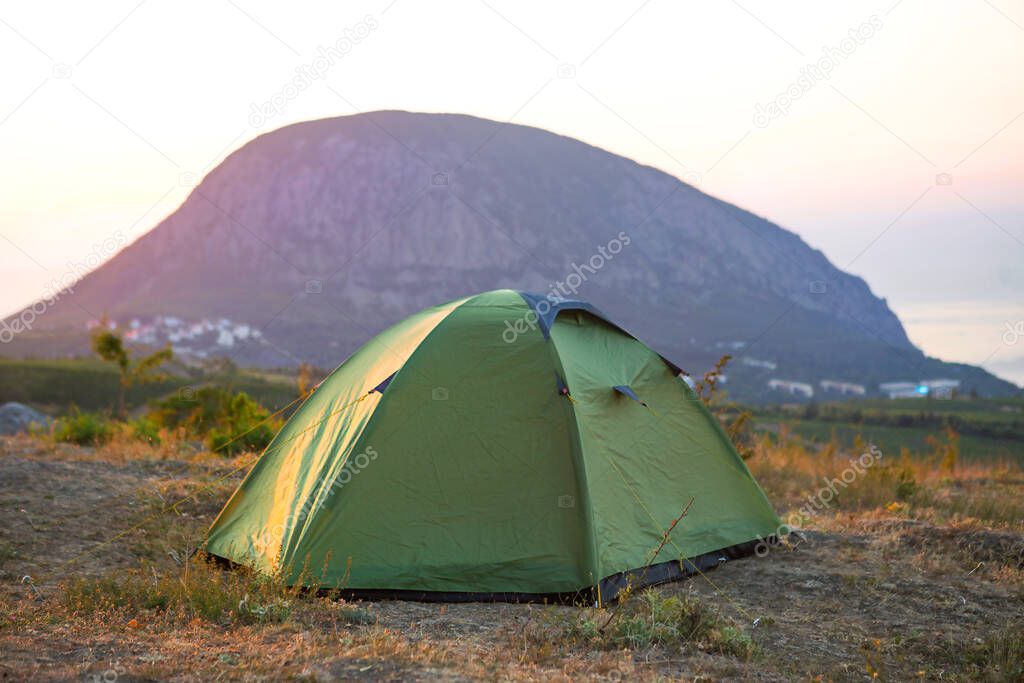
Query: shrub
point(84, 429)
point(242, 416)
point(194, 410)
point(145, 429)
point(218, 416)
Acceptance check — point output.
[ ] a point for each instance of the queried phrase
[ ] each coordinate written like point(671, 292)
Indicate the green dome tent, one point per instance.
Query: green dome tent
point(503, 446)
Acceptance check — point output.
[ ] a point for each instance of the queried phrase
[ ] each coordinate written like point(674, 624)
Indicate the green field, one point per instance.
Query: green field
point(56, 385)
point(988, 428)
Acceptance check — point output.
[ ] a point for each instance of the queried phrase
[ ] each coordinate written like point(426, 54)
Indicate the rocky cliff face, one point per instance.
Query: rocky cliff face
point(323, 233)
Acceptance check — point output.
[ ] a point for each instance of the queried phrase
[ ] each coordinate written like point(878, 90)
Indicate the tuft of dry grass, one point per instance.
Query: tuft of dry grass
point(172, 599)
point(643, 621)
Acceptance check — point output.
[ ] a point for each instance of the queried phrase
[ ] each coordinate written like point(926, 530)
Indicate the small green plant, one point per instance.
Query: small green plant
point(270, 612)
point(733, 641)
point(145, 429)
point(219, 416)
point(84, 429)
point(649, 618)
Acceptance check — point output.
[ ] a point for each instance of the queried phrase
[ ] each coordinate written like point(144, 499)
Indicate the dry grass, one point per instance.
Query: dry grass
point(932, 487)
point(913, 570)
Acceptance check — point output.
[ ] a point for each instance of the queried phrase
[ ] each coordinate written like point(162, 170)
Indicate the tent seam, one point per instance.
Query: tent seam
point(582, 482)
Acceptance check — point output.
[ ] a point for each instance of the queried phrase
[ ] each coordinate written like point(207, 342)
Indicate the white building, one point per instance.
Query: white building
point(935, 388)
point(757, 363)
point(794, 388)
point(844, 388)
point(941, 388)
point(900, 389)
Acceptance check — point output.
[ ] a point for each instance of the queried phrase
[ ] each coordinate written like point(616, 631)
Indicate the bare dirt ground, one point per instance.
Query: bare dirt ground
point(867, 596)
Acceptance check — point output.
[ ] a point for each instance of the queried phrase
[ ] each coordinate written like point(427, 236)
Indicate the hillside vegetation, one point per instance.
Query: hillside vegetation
point(92, 385)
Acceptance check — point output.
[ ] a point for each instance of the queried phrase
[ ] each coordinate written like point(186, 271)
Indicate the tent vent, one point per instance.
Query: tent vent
point(383, 385)
point(629, 393)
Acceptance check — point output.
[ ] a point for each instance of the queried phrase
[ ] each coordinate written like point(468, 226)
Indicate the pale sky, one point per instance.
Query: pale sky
point(106, 108)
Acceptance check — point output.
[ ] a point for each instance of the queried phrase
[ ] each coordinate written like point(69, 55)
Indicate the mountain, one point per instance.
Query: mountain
point(312, 238)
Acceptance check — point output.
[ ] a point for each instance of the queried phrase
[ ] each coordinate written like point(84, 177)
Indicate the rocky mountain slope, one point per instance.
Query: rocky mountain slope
point(320, 234)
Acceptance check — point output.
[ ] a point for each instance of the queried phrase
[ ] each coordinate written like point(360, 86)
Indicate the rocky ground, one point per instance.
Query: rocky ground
point(875, 594)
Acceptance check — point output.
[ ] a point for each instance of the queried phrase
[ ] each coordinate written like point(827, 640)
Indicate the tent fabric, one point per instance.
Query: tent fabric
point(472, 475)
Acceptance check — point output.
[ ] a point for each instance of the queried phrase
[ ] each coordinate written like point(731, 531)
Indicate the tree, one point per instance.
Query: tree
point(109, 345)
